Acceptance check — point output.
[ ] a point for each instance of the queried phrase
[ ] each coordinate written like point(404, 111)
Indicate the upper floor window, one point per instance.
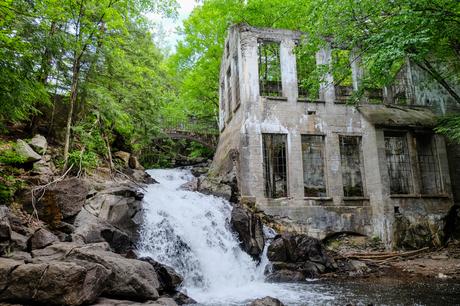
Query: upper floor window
point(342, 74)
point(228, 87)
point(269, 68)
point(308, 78)
point(236, 81)
point(398, 163)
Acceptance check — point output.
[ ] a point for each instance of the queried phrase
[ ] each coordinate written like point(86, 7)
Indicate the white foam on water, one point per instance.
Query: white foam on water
point(190, 232)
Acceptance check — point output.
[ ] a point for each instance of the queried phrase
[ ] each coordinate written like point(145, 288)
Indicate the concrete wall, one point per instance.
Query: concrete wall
point(371, 214)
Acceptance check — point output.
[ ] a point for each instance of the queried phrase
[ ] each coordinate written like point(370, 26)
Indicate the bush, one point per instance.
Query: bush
point(85, 160)
point(9, 183)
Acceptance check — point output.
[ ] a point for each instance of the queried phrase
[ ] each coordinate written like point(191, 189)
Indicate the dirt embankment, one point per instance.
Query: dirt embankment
point(367, 258)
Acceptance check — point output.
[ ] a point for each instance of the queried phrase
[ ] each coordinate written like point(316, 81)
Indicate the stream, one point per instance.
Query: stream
point(190, 232)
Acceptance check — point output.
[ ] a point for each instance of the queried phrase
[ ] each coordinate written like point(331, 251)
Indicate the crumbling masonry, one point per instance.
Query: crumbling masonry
point(375, 169)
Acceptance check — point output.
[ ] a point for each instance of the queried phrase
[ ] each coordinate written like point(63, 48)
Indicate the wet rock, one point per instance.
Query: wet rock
point(249, 229)
point(134, 163)
point(298, 256)
point(286, 276)
point(296, 248)
point(39, 144)
point(169, 279)
point(41, 238)
point(123, 156)
point(183, 299)
point(207, 185)
point(25, 151)
point(266, 301)
point(51, 283)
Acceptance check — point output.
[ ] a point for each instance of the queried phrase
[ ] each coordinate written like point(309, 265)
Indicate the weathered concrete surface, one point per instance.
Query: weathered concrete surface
point(243, 121)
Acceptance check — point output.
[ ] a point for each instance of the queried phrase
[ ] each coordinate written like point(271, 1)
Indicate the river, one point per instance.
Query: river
point(190, 232)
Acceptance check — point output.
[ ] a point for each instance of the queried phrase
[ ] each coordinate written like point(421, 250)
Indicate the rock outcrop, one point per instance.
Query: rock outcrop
point(249, 229)
point(295, 257)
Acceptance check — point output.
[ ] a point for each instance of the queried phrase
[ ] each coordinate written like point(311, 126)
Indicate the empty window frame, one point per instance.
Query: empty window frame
point(307, 74)
point(229, 93)
point(342, 74)
point(313, 165)
point(275, 166)
point(428, 163)
point(269, 68)
point(236, 80)
point(398, 163)
point(351, 160)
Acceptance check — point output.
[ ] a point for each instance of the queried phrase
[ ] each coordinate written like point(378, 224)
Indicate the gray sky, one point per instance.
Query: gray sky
point(167, 27)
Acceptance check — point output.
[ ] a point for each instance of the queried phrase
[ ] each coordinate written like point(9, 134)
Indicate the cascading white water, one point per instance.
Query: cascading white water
point(190, 232)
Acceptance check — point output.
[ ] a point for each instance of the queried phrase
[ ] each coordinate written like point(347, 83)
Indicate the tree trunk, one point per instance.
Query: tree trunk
point(73, 98)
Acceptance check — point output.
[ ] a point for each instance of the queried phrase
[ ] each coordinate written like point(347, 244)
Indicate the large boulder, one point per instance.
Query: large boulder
point(26, 152)
point(60, 201)
point(129, 278)
point(51, 283)
point(266, 301)
point(298, 253)
point(91, 229)
point(169, 279)
point(249, 229)
point(39, 144)
point(120, 206)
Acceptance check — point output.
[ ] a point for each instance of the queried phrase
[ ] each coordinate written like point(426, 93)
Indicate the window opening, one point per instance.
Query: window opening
point(350, 155)
point(398, 163)
point(313, 165)
point(269, 68)
point(342, 74)
point(428, 163)
point(275, 169)
point(236, 80)
point(229, 93)
point(308, 80)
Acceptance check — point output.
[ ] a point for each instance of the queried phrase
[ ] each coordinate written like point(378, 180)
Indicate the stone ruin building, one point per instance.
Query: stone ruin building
point(375, 168)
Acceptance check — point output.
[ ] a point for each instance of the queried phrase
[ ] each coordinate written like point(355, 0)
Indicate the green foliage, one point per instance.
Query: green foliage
point(84, 160)
point(449, 126)
point(9, 183)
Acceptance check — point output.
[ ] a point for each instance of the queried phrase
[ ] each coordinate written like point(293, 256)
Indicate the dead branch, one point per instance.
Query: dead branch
point(129, 178)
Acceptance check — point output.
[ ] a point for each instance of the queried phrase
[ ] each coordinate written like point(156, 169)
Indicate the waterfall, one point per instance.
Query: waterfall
point(190, 232)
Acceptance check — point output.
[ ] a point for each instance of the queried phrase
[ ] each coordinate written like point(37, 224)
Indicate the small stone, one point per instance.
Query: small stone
point(266, 301)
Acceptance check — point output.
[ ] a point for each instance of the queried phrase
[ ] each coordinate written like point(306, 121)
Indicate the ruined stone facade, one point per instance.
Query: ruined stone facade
point(328, 166)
